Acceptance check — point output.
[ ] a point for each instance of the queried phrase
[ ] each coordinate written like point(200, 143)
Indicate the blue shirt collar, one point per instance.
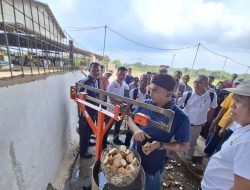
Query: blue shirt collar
point(169, 105)
point(91, 78)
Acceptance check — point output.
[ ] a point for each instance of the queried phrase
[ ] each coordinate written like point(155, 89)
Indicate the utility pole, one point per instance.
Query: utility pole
point(195, 58)
point(172, 63)
point(223, 69)
point(104, 43)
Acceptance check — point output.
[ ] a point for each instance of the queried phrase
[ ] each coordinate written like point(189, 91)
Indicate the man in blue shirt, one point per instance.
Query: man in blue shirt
point(84, 128)
point(153, 143)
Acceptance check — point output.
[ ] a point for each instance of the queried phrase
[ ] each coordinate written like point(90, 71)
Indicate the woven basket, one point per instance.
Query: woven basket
point(117, 179)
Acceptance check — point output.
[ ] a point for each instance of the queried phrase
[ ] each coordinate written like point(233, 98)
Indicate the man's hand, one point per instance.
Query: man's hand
point(140, 135)
point(150, 147)
point(179, 94)
point(222, 132)
point(212, 128)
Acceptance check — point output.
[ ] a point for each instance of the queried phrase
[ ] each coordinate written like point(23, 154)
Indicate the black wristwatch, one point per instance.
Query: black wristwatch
point(161, 145)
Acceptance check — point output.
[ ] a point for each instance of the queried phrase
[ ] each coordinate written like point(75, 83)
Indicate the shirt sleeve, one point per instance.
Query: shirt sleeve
point(82, 82)
point(126, 87)
point(182, 99)
point(214, 102)
point(110, 88)
point(227, 102)
point(241, 160)
point(183, 134)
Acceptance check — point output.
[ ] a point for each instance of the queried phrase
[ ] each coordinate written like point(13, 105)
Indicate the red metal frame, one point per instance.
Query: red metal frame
point(100, 128)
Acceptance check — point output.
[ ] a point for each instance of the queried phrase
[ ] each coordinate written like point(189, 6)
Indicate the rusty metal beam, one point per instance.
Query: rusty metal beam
point(167, 112)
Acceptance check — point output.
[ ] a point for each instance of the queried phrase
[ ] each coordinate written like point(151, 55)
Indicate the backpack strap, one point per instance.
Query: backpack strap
point(135, 93)
point(186, 100)
point(211, 96)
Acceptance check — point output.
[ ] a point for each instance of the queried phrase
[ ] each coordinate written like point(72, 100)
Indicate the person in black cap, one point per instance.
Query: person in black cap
point(153, 143)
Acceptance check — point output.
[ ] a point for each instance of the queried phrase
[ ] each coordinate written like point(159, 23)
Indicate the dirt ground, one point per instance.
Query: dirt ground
point(176, 176)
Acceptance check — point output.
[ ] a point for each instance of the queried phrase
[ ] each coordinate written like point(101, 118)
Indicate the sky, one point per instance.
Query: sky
point(221, 26)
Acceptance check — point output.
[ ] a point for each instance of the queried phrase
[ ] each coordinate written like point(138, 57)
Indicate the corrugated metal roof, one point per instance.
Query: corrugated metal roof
point(47, 8)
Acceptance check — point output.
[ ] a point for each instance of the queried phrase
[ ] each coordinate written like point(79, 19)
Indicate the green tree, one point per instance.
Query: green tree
point(117, 63)
point(106, 61)
point(138, 64)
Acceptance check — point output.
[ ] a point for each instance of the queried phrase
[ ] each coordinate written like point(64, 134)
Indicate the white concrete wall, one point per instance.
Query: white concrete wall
point(37, 127)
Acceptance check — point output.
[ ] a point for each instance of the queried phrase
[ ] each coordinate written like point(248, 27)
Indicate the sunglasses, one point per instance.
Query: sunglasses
point(199, 82)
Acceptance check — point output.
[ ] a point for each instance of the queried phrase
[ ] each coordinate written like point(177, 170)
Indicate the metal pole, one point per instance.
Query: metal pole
point(65, 50)
point(6, 39)
point(62, 50)
point(18, 38)
point(67, 42)
point(56, 47)
point(27, 38)
point(223, 68)
point(33, 27)
point(172, 63)
point(46, 40)
point(104, 43)
point(51, 45)
point(195, 58)
point(61, 53)
point(71, 52)
point(38, 17)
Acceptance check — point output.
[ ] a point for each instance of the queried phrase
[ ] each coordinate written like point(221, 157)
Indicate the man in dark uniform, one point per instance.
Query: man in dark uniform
point(129, 78)
point(84, 128)
point(158, 141)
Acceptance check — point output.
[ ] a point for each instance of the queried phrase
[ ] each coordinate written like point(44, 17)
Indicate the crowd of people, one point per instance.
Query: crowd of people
point(220, 114)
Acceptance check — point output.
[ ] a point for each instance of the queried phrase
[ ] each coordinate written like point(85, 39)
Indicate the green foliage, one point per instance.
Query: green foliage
point(117, 63)
point(106, 60)
point(140, 68)
point(138, 64)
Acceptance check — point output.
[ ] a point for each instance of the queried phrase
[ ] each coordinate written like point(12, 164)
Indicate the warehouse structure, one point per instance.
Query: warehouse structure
point(31, 38)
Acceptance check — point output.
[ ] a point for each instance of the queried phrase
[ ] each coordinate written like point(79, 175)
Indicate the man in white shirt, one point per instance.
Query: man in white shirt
point(198, 106)
point(229, 168)
point(139, 94)
point(118, 87)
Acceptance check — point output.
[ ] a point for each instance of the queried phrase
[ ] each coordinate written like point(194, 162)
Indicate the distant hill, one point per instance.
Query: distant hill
point(140, 68)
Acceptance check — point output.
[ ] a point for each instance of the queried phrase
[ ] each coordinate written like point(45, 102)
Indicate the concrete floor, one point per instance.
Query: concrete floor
point(81, 177)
